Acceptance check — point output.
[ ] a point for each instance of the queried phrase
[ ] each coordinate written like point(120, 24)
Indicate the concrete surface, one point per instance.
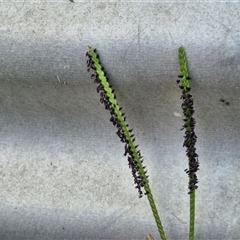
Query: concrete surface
point(62, 169)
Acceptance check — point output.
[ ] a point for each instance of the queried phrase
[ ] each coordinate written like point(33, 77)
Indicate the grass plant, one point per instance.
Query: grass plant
point(131, 150)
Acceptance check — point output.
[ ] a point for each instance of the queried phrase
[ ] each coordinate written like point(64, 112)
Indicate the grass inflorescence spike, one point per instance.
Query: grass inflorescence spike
point(118, 119)
point(190, 136)
point(189, 122)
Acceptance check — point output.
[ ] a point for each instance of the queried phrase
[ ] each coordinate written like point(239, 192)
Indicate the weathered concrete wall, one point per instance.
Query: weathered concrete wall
point(62, 169)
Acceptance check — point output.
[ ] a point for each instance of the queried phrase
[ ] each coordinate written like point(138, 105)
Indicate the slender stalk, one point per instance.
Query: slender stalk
point(135, 159)
point(155, 213)
point(190, 136)
point(192, 215)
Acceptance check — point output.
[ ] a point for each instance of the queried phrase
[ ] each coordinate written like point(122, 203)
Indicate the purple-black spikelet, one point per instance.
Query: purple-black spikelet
point(190, 137)
point(133, 164)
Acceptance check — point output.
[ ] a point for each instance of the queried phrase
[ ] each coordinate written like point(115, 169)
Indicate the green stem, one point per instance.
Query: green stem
point(192, 215)
point(155, 212)
point(127, 134)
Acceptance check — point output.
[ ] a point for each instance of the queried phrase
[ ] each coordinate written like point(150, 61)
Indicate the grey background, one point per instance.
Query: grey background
point(62, 169)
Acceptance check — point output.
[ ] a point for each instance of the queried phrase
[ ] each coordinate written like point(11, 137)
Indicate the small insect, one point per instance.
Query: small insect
point(71, 1)
point(224, 101)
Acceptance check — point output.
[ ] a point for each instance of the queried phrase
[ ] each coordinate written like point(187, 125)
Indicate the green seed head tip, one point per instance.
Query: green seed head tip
point(180, 49)
point(182, 61)
point(90, 49)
